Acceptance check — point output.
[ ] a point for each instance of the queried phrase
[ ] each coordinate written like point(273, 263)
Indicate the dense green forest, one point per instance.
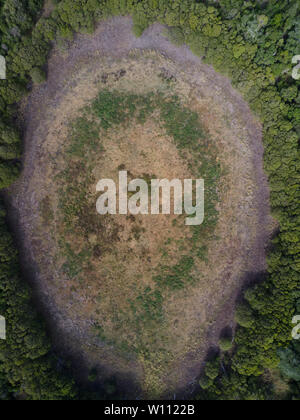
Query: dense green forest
point(252, 43)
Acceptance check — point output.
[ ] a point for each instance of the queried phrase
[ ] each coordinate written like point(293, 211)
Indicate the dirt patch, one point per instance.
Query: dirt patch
point(113, 56)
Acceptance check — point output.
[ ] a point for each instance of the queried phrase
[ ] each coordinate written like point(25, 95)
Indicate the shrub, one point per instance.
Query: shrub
point(244, 316)
point(225, 344)
point(212, 369)
point(251, 44)
point(38, 75)
point(176, 36)
point(290, 363)
point(205, 382)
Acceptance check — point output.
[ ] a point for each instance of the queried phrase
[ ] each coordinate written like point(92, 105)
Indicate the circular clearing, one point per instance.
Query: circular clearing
point(92, 310)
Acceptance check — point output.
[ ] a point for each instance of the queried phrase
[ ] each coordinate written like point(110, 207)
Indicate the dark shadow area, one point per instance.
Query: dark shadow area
point(226, 333)
point(250, 280)
point(118, 386)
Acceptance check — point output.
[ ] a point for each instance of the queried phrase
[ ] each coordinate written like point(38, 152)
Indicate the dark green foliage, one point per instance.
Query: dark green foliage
point(244, 316)
point(93, 375)
point(212, 369)
point(114, 108)
point(211, 372)
point(38, 75)
point(26, 363)
point(205, 382)
point(9, 171)
point(290, 363)
point(111, 109)
point(226, 343)
point(182, 124)
point(176, 36)
point(10, 146)
point(138, 29)
point(21, 53)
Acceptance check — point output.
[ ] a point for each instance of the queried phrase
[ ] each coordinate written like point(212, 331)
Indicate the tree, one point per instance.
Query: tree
point(38, 75)
point(244, 316)
point(226, 343)
point(290, 363)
